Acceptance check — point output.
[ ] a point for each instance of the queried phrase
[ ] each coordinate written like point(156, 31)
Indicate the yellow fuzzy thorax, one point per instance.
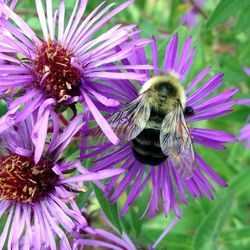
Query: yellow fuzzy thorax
point(159, 101)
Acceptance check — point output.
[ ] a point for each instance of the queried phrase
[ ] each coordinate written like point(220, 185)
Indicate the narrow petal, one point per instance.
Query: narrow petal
point(100, 175)
point(101, 121)
point(171, 54)
point(42, 19)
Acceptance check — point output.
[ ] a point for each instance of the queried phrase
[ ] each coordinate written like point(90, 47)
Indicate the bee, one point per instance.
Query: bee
point(155, 124)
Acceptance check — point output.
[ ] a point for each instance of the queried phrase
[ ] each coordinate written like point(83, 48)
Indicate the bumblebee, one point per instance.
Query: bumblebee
point(155, 123)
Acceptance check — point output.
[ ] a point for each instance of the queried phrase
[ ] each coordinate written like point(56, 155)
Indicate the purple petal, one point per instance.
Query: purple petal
point(244, 102)
point(100, 175)
point(211, 173)
point(206, 89)
point(101, 121)
point(171, 54)
point(247, 70)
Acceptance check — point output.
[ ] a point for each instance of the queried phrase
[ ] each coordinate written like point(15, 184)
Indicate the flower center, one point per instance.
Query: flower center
point(22, 180)
point(54, 72)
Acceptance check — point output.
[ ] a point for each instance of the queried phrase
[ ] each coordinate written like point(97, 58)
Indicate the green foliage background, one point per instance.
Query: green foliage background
point(222, 41)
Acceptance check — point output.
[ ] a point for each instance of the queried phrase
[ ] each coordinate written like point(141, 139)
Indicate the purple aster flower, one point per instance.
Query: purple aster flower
point(190, 17)
point(11, 4)
point(39, 198)
point(245, 131)
point(166, 182)
point(66, 66)
point(103, 239)
point(246, 70)
point(112, 239)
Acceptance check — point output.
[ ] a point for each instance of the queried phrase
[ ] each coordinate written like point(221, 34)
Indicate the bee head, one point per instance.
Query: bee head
point(165, 89)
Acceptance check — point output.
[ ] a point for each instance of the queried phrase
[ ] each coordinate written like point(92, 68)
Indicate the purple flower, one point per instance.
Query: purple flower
point(112, 239)
point(247, 70)
point(11, 4)
point(165, 181)
point(190, 17)
point(67, 66)
point(103, 239)
point(245, 131)
point(39, 198)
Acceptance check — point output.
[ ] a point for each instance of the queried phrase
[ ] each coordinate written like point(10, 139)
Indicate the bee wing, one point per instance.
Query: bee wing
point(130, 120)
point(176, 142)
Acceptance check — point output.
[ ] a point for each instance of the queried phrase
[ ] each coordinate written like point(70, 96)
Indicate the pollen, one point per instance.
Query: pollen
point(21, 180)
point(54, 72)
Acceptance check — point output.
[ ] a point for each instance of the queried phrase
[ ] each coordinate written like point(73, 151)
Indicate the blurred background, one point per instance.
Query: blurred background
point(221, 35)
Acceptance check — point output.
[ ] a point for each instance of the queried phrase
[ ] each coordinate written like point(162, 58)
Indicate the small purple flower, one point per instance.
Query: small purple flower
point(246, 70)
point(112, 239)
point(245, 131)
point(165, 181)
point(101, 239)
point(66, 66)
point(39, 198)
point(190, 17)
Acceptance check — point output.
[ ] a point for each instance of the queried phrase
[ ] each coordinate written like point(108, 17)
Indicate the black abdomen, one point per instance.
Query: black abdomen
point(146, 147)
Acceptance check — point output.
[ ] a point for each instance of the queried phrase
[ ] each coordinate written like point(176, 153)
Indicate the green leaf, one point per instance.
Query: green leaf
point(236, 234)
point(84, 196)
point(137, 210)
point(243, 20)
point(224, 10)
point(153, 228)
point(135, 221)
point(173, 15)
point(241, 182)
point(111, 211)
point(3, 108)
point(173, 241)
point(210, 228)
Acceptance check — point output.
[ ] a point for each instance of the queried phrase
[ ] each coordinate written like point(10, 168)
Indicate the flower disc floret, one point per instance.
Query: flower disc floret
point(53, 69)
point(24, 181)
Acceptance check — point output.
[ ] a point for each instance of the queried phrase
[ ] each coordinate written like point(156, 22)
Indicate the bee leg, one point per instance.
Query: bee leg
point(74, 110)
